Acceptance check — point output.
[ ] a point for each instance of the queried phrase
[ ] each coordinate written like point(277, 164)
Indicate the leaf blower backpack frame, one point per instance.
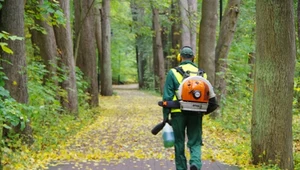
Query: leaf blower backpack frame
point(194, 92)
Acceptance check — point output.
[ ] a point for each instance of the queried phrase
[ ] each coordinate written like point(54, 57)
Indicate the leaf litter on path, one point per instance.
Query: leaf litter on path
point(122, 135)
point(122, 130)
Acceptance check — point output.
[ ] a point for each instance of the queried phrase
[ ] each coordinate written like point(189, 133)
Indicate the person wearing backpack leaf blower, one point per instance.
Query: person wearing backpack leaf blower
point(189, 120)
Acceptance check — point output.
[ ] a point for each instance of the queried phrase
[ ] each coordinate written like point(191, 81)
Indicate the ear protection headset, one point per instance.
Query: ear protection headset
point(178, 56)
point(186, 47)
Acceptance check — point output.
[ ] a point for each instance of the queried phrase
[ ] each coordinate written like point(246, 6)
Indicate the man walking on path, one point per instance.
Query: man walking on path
point(185, 120)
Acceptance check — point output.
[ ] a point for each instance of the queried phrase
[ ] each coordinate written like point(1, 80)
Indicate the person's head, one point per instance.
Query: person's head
point(186, 53)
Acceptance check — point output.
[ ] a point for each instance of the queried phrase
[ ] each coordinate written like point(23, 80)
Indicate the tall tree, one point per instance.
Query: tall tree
point(106, 73)
point(207, 38)
point(188, 11)
point(185, 31)
point(298, 31)
point(227, 30)
point(65, 46)
point(14, 65)
point(137, 16)
point(98, 35)
point(158, 49)
point(273, 84)
point(85, 52)
point(175, 29)
point(45, 41)
point(193, 23)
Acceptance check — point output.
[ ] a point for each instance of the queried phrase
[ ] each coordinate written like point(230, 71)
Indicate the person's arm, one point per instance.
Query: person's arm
point(212, 105)
point(169, 92)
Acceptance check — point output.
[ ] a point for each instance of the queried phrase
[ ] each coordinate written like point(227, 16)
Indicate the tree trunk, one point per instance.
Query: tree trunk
point(98, 36)
point(298, 20)
point(106, 73)
point(175, 32)
point(14, 65)
point(188, 13)
point(47, 45)
point(193, 20)
point(207, 38)
point(64, 43)
point(298, 30)
point(272, 141)
point(85, 36)
point(137, 16)
point(159, 49)
point(155, 61)
point(185, 23)
point(228, 27)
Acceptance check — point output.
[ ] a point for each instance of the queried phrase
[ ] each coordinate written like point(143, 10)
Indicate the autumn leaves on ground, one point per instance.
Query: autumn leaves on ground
point(120, 129)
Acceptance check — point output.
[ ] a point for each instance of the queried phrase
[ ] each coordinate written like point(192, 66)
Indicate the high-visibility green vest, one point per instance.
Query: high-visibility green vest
point(193, 72)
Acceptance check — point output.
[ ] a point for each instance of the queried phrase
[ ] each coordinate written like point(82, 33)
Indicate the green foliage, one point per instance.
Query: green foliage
point(51, 140)
point(82, 86)
point(297, 160)
point(1, 1)
point(48, 11)
point(49, 123)
point(45, 92)
point(296, 102)
point(237, 106)
point(238, 102)
point(45, 96)
point(123, 39)
point(6, 36)
point(12, 113)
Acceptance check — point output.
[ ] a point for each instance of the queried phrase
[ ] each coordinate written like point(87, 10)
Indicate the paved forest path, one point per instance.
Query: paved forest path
point(120, 139)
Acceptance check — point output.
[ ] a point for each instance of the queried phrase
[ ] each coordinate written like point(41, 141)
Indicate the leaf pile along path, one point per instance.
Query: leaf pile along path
point(121, 137)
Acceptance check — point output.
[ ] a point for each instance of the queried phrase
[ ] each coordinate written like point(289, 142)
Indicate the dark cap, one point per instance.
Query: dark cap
point(187, 52)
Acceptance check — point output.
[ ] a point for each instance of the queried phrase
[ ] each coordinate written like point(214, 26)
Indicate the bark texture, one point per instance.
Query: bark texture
point(193, 23)
point(185, 23)
point(106, 73)
point(46, 43)
point(188, 13)
point(207, 38)
point(271, 134)
point(175, 32)
point(98, 35)
point(159, 49)
point(65, 47)
point(14, 65)
point(86, 58)
point(47, 46)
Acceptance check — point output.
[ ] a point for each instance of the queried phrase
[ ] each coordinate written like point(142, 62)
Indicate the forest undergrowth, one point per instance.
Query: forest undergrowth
point(120, 129)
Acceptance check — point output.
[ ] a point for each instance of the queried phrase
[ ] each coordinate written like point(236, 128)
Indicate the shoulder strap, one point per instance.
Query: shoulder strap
point(200, 72)
point(182, 72)
point(187, 73)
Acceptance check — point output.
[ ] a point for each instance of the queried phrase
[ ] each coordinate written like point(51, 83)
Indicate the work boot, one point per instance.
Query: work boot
point(193, 167)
